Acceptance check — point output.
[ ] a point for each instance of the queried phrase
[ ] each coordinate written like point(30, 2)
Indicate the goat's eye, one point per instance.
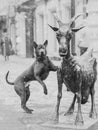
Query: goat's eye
point(58, 35)
point(68, 36)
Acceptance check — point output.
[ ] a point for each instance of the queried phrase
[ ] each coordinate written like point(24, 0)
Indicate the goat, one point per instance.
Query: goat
point(78, 73)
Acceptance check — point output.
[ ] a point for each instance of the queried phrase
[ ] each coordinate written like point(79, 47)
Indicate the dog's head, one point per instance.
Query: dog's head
point(40, 50)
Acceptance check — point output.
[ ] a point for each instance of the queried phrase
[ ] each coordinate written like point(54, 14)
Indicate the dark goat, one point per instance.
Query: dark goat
point(78, 73)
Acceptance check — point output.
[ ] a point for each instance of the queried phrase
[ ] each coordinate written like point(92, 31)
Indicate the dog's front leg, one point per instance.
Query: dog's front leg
point(42, 83)
point(52, 66)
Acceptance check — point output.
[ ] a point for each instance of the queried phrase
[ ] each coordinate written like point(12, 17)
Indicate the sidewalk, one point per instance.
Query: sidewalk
point(11, 114)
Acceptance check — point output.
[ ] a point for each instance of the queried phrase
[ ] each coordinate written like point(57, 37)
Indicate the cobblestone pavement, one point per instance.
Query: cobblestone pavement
point(12, 116)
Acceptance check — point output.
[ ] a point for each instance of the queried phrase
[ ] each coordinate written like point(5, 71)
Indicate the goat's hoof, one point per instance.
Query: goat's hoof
point(79, 120)
point(93, 115)
point(79, 123)
point(55, 121)
point(68, 113)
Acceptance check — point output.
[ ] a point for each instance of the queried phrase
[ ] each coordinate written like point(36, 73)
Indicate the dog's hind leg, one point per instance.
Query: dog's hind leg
point(23, 103)
point(24, 94)
point(28, 94)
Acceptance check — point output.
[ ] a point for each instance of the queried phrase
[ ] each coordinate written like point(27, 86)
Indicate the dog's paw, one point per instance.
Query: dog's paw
point(45, 91)
point(29, 112)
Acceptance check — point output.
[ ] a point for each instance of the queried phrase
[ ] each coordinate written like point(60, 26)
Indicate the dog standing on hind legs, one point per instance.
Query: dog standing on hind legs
point(38, 71)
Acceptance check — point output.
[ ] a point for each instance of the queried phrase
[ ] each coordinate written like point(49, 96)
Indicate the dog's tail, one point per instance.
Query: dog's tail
point(7, 79)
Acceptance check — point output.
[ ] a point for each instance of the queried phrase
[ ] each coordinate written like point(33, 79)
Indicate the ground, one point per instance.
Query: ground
point(12, 117)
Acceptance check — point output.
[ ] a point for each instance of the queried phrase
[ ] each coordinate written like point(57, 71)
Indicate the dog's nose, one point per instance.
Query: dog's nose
point(42, 53)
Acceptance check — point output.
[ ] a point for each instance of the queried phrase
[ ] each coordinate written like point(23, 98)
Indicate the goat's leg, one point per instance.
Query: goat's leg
point(71, 108)
point(93, 113)
point(79, 118)
point(59, 96)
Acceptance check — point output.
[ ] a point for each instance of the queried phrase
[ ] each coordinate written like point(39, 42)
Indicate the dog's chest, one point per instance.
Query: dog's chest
point(44, 75)
point(44, 72)
point(43, 69)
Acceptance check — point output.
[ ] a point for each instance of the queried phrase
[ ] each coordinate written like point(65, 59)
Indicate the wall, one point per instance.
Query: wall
point(44, 16)
point(88, 35)
point(20, 34)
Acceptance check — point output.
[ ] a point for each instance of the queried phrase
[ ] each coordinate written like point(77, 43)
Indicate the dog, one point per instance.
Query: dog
point(38, 71)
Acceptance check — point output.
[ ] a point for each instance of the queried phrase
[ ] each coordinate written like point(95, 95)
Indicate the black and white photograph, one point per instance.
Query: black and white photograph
point(48, 64)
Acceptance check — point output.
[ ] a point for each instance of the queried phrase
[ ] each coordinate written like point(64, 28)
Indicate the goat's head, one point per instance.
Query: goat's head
point(64, 35)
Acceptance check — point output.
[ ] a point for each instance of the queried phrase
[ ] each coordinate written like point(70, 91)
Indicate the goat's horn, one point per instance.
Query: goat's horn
point(58, 20)
point(77, 29)
point(54, 28)
point(74, 18)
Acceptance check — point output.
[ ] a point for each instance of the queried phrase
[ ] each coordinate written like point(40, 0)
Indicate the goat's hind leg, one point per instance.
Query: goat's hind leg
point(93, 113)
point(71, 108)
point(79, 118)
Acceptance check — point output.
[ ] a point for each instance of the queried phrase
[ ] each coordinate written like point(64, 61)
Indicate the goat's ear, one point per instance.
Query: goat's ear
point(35, 44)
point(77, 29)
point(53, 28)
point(46, 43)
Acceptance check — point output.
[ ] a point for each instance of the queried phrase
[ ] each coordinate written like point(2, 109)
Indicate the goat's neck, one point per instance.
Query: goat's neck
point(69, 53)
point(67, 59)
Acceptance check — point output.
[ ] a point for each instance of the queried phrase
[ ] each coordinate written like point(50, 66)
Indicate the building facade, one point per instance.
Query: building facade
point(65, 9)
point(23, 35)
point(45, 9)
point(92, 21)
point(44, 15)
point(89, 35)
point(25, 28)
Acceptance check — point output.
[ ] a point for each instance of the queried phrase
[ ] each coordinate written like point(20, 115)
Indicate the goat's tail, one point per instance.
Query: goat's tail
point(7, 79)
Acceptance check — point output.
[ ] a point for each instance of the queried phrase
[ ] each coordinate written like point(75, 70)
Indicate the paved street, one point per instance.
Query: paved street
point(12, 117)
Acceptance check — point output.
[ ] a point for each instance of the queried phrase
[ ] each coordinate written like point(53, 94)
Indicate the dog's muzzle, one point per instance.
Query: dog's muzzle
point(42, 53)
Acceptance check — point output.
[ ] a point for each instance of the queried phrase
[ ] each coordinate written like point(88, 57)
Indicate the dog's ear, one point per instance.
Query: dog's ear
point(35, 44)
point(46, 43)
